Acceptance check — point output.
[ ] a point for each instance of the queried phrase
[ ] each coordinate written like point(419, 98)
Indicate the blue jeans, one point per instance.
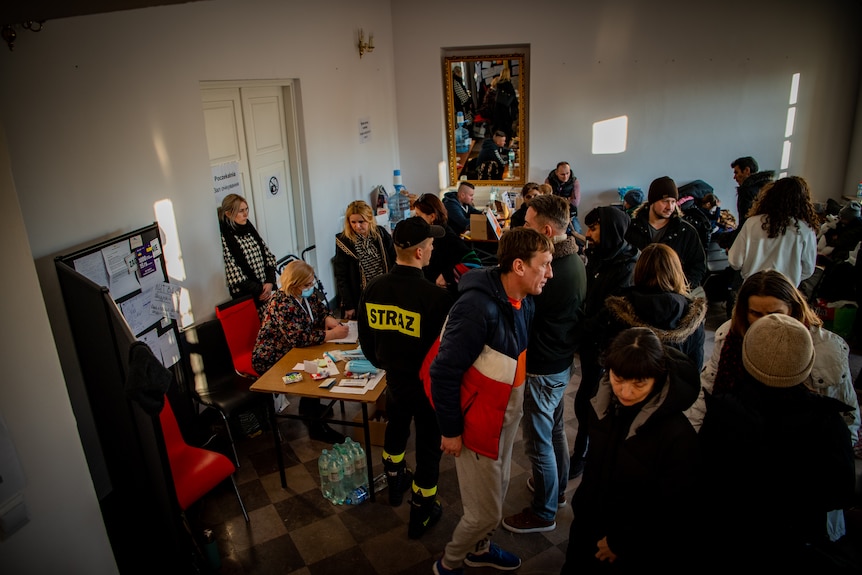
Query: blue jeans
point(545, 439)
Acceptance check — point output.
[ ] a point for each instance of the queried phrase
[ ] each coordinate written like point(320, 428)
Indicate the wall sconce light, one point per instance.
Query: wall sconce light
point(363, 46)
point(8, 34)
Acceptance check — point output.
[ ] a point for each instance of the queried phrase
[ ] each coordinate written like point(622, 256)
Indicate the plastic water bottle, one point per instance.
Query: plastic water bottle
point(357, 496)
point(360, 465)
point(323, 469)
point(859, 190)
point(511, 164)
point(399, 203)
point(462, 136)
point(347, 465)
point(336, 479)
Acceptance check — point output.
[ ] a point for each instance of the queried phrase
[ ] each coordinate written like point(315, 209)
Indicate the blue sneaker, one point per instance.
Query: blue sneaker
point(493, 557)
point(440, 570)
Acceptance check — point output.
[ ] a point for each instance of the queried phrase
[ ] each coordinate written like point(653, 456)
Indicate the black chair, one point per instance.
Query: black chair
point(216, 382)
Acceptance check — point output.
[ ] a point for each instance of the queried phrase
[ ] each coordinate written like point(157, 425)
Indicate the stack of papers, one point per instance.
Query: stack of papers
point(352, 333)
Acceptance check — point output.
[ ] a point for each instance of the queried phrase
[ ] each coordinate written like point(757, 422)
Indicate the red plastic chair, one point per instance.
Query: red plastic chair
point(240, 323)
point(195, 471)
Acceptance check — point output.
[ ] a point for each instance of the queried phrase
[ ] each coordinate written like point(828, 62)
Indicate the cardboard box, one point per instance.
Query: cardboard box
point(484, 227)
point(377, 427)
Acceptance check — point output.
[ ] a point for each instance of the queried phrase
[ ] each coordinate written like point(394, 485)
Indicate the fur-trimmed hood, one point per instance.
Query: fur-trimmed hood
point(672, 317)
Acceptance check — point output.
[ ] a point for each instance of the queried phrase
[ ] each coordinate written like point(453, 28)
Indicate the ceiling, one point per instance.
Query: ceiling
point(18, 11)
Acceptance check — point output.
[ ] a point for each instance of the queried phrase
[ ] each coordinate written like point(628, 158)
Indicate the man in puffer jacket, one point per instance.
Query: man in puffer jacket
point(476, 384)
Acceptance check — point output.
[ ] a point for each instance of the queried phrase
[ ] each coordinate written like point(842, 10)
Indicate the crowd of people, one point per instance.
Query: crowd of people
point(743, 457)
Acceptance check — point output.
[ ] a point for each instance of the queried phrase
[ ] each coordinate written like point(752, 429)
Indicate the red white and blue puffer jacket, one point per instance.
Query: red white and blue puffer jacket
point(471, 370)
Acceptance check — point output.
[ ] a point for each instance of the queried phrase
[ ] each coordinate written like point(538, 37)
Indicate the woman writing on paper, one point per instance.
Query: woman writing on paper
point(297, 317)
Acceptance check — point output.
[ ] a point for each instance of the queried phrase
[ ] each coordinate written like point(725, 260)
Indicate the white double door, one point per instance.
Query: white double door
point(255, 127)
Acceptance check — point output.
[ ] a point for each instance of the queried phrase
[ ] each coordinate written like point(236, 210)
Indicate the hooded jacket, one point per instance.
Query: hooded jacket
point(459, 215)
point(474, 369)
point(680, 236)
point(640, 476)
point(611, 262)
point(676, 320)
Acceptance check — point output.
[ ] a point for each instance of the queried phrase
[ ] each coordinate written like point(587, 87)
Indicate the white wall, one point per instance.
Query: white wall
point(65, 533)
point(702, 84)
point(103, 118)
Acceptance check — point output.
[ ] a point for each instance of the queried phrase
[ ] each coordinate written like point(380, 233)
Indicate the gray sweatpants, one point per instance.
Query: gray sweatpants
point(484, 483)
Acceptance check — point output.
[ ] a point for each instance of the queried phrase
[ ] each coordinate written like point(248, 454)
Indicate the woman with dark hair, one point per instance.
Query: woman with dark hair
point(249, 265)
point(297, 317)
point(766, 293)
point(451, 257)
point(363, 251)
point(779, 232)
point(528, 192)
point(632, 508)
point(660, 300)
point(777, 460)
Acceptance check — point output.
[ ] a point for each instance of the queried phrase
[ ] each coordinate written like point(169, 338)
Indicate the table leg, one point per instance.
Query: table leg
point(273, 422)
point(368, 458)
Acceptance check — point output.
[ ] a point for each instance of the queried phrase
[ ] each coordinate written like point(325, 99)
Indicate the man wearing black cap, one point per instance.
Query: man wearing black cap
point(400, 315)
point(660, 221)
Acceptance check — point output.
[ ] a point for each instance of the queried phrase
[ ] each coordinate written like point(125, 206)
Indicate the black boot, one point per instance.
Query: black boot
point(424, 513)
point(398, 480)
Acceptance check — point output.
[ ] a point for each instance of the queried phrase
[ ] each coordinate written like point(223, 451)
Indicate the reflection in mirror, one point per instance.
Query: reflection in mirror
point(486, 123)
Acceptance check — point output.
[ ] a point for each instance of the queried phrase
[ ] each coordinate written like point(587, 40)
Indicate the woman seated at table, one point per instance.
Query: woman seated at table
point(451, 257)
point(297, 317)
point(363, 251)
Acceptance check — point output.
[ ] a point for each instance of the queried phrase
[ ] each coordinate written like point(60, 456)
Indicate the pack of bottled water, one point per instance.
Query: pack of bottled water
point(344, 473)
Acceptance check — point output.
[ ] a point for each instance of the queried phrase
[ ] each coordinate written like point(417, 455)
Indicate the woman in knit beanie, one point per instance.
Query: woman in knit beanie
point(777, 457)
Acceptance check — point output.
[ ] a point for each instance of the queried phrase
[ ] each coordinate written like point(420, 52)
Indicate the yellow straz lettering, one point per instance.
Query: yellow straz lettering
point(390, 317)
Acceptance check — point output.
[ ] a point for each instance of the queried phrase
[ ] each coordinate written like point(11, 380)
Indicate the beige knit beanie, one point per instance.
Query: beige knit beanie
point(777, 351)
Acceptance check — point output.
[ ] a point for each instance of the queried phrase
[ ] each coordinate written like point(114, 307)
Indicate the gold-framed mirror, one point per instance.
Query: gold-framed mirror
point(491, 92)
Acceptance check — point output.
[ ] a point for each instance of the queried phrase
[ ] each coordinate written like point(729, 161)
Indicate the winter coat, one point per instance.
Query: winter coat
point(640, 478)
point(474, 369)
point(610, 263)
point(400, 315)
point(554, 335)
point(570, 190)
point(776, 460)
point(676, 320)
point(451, 258)
point(830, 375)
point(748, 191)
point(680, 236)
point(350, 280)
point(459, 214)
point(248, 262)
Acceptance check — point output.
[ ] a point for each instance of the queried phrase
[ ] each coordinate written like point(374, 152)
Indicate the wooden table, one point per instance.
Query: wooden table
point(271, 382)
